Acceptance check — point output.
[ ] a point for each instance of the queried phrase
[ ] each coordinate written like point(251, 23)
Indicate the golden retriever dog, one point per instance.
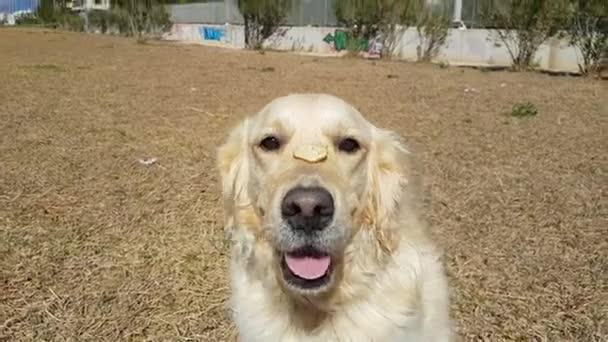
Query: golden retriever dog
point(327, 245)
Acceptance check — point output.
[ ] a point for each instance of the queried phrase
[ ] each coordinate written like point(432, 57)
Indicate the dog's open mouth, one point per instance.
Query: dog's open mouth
point(307, 268)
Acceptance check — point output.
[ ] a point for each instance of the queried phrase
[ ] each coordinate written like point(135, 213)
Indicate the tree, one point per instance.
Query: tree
point(55, 14)
point(47, 11)
point(262, 18)
point(432, 24)
point(588, 31)
point(523, 25)
point(369, 18)
point(140, 18)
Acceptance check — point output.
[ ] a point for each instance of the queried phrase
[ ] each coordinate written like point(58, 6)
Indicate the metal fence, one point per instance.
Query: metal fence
point(312, 12)
point(302, 13)
point(205, 13)
point(471, 13)
point(305, 12)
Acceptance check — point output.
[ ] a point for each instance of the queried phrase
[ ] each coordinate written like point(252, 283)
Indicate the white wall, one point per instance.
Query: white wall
point(89, 5)
point(232, 36)
point(472, 47)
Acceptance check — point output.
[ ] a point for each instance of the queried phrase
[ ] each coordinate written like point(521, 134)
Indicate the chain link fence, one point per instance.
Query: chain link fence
point(302, 13)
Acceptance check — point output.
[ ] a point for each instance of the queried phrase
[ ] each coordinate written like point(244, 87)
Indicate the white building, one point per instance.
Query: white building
point(87, 5)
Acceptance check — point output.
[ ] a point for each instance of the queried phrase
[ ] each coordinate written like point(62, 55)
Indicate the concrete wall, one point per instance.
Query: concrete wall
point(302, 39)
point(231, 36)
point(472, 47)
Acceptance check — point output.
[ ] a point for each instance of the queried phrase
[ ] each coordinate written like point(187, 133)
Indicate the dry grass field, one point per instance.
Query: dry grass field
point(97, 246)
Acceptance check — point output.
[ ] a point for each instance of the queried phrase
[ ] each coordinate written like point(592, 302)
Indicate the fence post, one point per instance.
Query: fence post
point(457, 10)
point(325, 14)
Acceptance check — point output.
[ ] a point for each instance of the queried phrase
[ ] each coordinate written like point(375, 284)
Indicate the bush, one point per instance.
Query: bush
point(132, 18)
point(70, 21)
point(54, 16)
point(588, 31)
point(432, 25)
point(99, 20)
point(523, 25)
point(46, 11)
point(118, 18)
point(262, 18)
point(139, 18)
point(367, 19)
point(28, 19)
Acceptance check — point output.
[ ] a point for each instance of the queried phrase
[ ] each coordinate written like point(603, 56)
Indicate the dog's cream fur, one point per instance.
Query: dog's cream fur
point(390, 284)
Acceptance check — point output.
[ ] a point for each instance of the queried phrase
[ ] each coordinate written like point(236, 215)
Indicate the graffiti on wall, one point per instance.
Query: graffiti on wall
point(212, 33)
point(342, 40)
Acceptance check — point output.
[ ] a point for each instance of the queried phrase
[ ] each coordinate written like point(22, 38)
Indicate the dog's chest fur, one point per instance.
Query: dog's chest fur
point(391, 309)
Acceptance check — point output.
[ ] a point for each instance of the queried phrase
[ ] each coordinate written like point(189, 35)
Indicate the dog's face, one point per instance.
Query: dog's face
point(304, 175)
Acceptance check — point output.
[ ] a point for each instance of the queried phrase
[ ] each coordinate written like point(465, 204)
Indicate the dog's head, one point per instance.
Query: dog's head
point(303, 177)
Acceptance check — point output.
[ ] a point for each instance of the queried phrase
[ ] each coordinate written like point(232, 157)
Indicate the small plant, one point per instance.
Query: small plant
point(524, 109)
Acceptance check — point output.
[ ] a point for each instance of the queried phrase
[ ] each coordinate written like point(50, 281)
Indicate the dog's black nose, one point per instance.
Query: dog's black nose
point(308, 209)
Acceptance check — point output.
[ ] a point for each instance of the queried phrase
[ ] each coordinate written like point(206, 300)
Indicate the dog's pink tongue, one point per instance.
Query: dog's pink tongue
point(308, 267)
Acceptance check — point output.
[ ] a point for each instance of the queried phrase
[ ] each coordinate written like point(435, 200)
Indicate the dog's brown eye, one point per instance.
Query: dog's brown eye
point(348, 145)
point(270, 143)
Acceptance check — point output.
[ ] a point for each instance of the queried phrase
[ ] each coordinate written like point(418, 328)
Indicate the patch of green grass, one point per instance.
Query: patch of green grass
point(51, 67)
point(523, 109)
point(267, 69)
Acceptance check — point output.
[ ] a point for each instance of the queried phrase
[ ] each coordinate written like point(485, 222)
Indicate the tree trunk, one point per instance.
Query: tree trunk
point(247, 28)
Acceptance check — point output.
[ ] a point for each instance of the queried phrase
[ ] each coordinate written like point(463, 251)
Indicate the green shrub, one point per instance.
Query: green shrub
point(70, 21)
point(28, 19)
point(99, 20)
point(262, 18)
point(588, 32)
point(140, 19)
point(524, 25)
point(118, 18)
point(46, 11)
point(53, 15)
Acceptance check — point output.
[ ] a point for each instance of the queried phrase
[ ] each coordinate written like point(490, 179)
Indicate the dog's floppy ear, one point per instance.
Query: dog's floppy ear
point(387, 177)
point(233, 165)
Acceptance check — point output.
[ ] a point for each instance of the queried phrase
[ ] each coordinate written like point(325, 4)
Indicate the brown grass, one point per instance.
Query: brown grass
point(95, 246)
